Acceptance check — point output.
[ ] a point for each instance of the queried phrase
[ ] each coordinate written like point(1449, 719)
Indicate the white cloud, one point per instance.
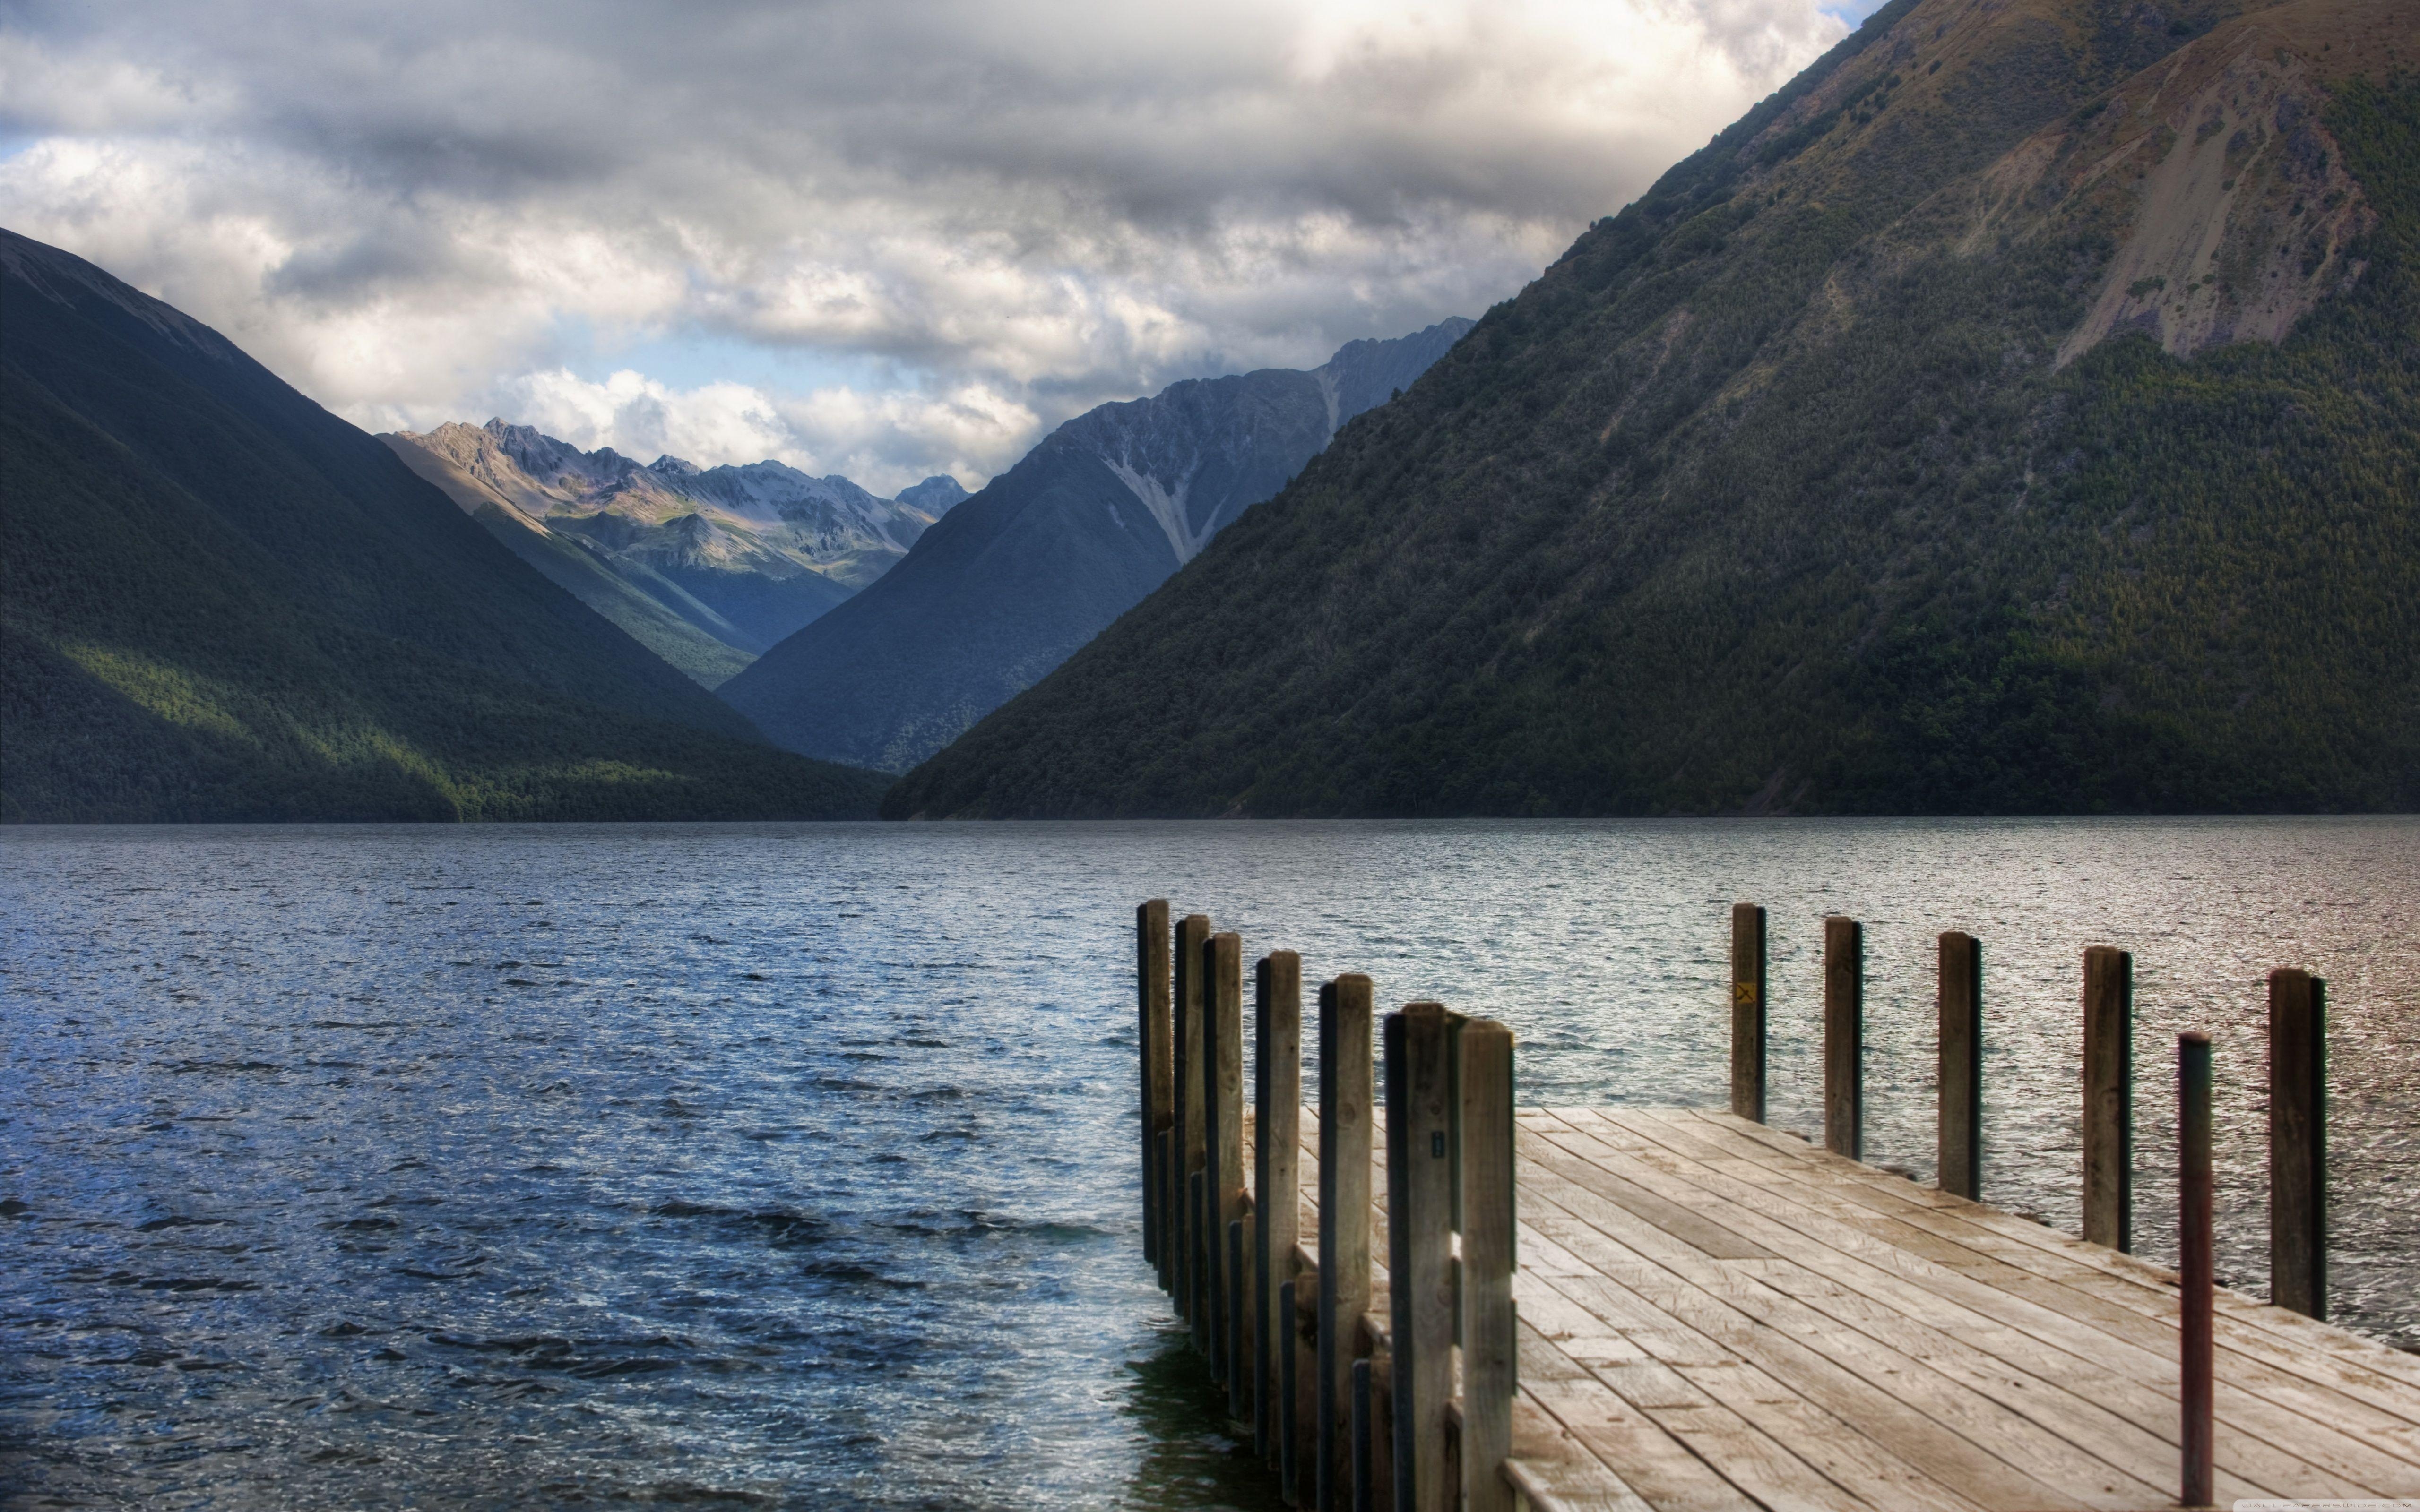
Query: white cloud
point(1011, 210)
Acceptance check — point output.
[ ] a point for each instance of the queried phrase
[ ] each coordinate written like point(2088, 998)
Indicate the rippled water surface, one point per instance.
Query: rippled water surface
point(792, 1166)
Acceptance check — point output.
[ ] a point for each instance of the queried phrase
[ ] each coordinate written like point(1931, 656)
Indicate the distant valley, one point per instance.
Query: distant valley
point(1014, 580)
point(707, 567)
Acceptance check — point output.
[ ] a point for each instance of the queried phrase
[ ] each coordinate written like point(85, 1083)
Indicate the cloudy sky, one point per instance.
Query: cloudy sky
point(885, 239)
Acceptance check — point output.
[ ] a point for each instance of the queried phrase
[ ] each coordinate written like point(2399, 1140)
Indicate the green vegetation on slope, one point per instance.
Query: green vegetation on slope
point(1770, 495)
point(217, 602)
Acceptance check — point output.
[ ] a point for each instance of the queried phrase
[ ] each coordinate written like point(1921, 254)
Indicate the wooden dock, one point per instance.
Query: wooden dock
point(1628, 1308)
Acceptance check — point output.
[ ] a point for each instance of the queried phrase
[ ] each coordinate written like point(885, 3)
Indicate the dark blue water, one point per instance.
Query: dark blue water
point(791, 1165)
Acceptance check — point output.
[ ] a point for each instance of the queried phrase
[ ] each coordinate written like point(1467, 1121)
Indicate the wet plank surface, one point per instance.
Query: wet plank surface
point(1719, 1317)
point(1716, 1315)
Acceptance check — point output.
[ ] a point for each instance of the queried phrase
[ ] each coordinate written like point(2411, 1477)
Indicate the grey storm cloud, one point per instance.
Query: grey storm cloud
point(965, 220)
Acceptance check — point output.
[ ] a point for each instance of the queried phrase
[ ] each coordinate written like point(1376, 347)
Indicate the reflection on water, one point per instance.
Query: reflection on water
point(790, 1166)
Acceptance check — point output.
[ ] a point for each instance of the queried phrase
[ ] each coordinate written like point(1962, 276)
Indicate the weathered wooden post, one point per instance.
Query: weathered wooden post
point(1305, 1429)
point(1420, 1250)
point(1192, 1093)
point(2298, 1142)
point(2194, 1300)
point(1152, 1035)
point(2109, 1096)
point(1238, 1340)
point(1305, 1424)
point(1197, 1264)
point(1346, 1087)
point(1747, 1012)
point(1844, 1037)
point(1285, 1442)
point(1222, 986)
point(1165, 1158)
point(1489, 1345)
point(1961, 1137)
point(1365, 1447)
point(1277, 1167)
point(1381, 1363)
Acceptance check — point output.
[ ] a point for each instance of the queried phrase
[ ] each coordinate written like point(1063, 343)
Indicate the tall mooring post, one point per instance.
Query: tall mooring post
point(2109, 1096)
point(1153, 1033)
point(2298, 1142)
point(1346, 1085)
point(2196, 1298)
point(1844, 1037)
point(1420, 1115)
point(1276, 1182)
point(1490, 1364)
point(1222, 978)
point(1960, 1079)
point(1190, 1133)
point(1747, 1012)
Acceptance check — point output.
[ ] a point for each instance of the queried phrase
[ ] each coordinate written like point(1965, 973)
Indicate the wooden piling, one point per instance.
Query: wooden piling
point(1286, 1443)
point(1961, 1132)
point(1197, 1264)
point(1164, 1161)
point(1154, 1030)
point(1223, 987)
point(1489, 1345)
point(1345, 1089)
point(2195, 1298)
point(1304, 1434)
point(1276, 1177)
point(1747, 1012)
point(1382, 1423)
point(1192, 1093)
point(2109, 1096)
point(1420, 1247)
point(2298, 1142)
point(1365, 1450)
point(1238, 1337)
point(1844, 1037)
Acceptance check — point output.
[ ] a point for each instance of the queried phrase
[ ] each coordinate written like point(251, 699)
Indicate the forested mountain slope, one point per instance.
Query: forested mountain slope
point(2020, 411)
point(218, 602)
point(1040, 560)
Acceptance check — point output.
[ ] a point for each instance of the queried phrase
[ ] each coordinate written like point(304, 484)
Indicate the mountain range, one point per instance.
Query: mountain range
point(220, 602)
point(2018, 411)
point(707, 567)
point(1006, 586)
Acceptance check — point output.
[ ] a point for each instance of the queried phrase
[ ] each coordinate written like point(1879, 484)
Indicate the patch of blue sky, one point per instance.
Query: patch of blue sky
point(693, 360)
point(1852, 11)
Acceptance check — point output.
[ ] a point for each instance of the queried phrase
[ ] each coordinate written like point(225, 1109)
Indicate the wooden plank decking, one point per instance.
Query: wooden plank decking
point(1716, 1315)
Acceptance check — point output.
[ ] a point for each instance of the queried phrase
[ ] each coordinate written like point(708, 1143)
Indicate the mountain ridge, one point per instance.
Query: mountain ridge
point(1101, 511)
point(706, 566)
point(220, 602)
point(1789, 488)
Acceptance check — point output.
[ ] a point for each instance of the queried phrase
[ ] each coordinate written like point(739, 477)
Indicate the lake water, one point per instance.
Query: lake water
point(792, 1166)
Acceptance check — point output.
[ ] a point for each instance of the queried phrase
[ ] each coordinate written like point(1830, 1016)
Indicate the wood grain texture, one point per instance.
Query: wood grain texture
point(1348, 1084)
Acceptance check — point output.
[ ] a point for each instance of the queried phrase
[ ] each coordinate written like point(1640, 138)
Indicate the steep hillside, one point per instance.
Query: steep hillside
point(2019, 411)
point(220, 602)
point(705, 566)
point(1032, 566)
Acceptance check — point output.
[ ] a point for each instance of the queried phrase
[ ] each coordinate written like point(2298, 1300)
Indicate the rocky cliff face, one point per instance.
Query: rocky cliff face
point(1036, 563)
point(708, 566)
